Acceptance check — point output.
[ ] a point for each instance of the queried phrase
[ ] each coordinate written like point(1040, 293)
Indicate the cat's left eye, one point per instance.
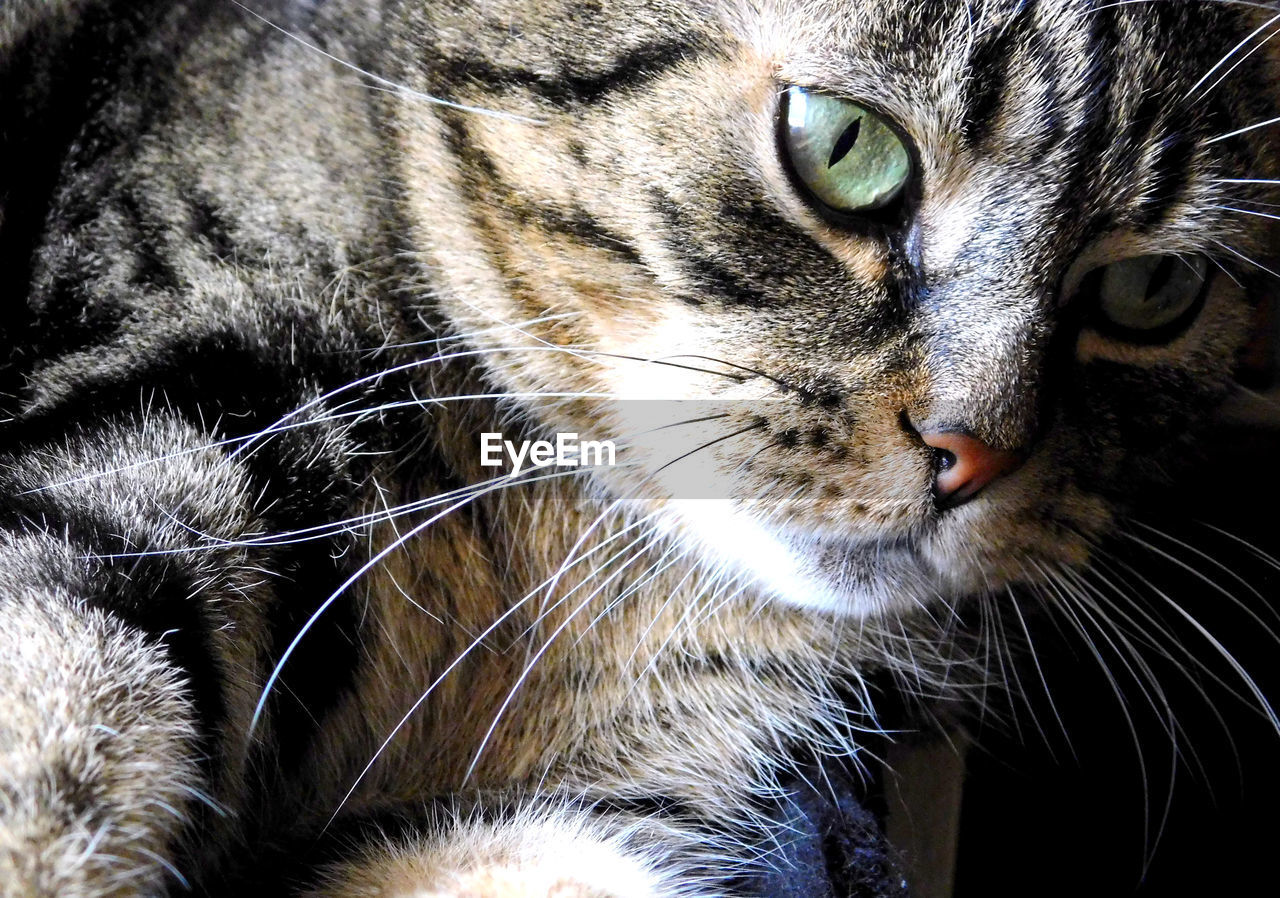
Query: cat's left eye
point(848, 157)
point(1150, 297)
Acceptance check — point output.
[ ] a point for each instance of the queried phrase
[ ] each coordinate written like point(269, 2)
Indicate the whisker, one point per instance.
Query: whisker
point(650, 574)
point(690, 609)
point(537, 656)
point(445, 673)
point(1113, 607)
point(1225, 59)
point(1269, 559)
point(662, 610)
point(1162, 709)
point(1186, 660)
point(365, 568)
point(1240, 255)
point(326, 530)
point(286, 423)
point(545, 612)
point(452, 337)
point(1262, 705)
point(387, 83)
point(753, 371)
point(1245, 130)
point(1246, 212)
point(1216, 587)
point(1066, 606)
point(1044, 683)
point(1102, 565)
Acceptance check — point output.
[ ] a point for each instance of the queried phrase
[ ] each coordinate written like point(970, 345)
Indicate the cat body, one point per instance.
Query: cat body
point(267, 292)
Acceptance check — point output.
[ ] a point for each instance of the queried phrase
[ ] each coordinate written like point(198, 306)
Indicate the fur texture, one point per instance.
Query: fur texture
point(270, 272)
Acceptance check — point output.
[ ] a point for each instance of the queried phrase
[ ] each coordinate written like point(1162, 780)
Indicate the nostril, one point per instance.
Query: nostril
point(943, 460)
point(964, 465)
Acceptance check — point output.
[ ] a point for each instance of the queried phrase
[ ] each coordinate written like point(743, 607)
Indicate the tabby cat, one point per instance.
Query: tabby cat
point(934, 285)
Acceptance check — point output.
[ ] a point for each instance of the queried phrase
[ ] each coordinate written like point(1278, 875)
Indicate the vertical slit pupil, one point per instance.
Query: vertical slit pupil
point(1160, 277)
point(844, 143)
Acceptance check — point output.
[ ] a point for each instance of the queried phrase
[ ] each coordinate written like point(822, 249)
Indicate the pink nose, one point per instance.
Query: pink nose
point(966, 465)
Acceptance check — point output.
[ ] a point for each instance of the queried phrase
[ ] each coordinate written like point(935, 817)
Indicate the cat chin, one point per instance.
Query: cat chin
point(860, 579)
point(870, 578)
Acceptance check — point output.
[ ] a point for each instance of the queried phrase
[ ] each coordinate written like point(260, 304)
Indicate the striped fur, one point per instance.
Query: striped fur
point(253, 257)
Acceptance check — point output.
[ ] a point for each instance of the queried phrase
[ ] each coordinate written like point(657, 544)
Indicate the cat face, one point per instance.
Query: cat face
point(960, 275)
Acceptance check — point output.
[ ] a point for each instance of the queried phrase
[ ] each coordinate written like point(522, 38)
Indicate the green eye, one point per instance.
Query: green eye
point(848, 157)
point(1148, 295)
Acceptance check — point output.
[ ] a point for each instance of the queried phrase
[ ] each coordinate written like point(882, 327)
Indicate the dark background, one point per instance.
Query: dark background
point(1044, 815)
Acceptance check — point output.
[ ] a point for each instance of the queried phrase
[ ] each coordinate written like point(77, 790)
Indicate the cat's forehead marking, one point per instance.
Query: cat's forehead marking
point(1081, 109)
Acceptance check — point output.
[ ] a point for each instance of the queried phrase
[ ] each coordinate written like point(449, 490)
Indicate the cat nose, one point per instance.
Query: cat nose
point(964, 465)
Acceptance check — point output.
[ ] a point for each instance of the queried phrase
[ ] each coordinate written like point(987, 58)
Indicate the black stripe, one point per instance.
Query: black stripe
point(633, 69)
point(51, 81)
point(216, 370)
point(742, 206)
point(54, 83)
point(69, 321)
point(986, 89)
point(148, 245)
point(1044, 55)
point(322, 669)
point(1170, 167)
point(487, 188)
point(584, 227)
point(1093, 137)
point(209, 226)
point(681, 242)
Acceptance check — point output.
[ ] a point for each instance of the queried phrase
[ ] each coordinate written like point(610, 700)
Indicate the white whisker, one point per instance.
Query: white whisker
point(386, 83)
point(1245, 130)
point(537, 656)
point(365, 568)
point(1227, 58)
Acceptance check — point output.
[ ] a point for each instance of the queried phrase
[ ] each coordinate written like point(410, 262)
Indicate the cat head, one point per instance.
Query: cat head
point(961, 274)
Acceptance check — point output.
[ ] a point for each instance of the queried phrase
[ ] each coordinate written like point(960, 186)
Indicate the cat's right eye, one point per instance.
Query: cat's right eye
point(849, 158)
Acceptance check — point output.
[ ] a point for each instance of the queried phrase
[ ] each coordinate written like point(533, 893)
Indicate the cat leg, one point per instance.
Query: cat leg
point(529, 853)
point(116, 628)
point(97, 737)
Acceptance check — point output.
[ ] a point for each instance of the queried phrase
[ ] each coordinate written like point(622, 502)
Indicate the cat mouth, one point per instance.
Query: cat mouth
point(904, 546)
point(945, 559)
point(871, 554)
point(865, 576)
point(937, 557)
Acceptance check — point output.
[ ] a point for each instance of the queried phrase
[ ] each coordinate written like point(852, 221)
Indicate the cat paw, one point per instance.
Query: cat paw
point(502, 883)
point(566, 878)
point(523, 858)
